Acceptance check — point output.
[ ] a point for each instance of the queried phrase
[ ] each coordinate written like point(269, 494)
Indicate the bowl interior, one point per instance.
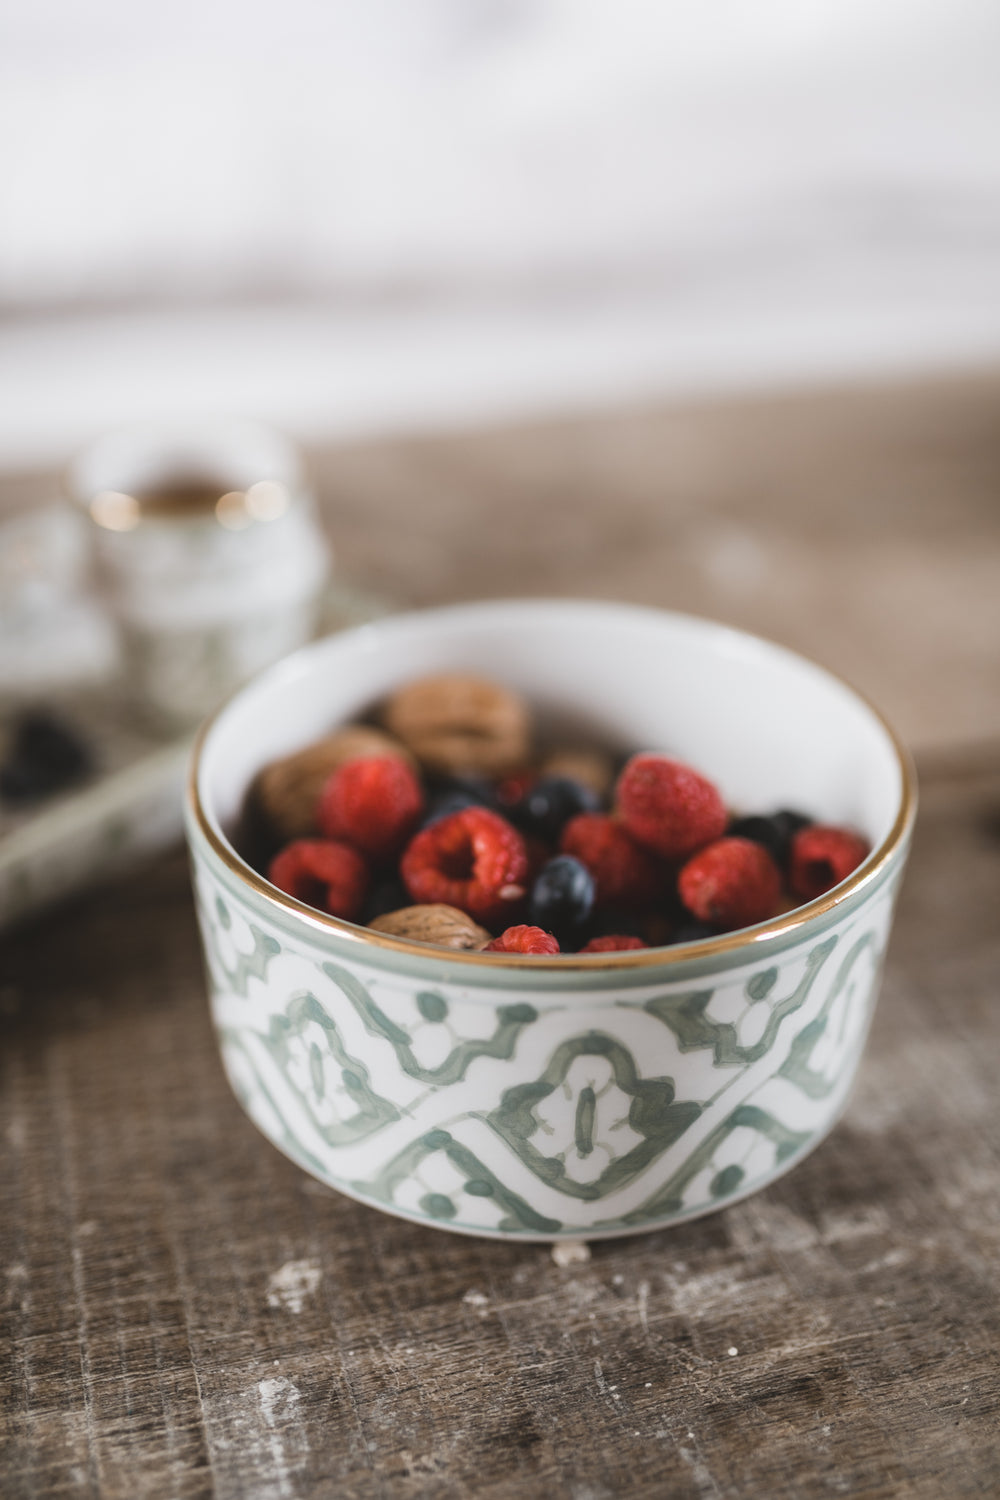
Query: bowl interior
point(769, 727)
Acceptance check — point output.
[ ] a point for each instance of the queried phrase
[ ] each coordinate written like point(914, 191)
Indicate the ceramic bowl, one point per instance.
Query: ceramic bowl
point(571, 1096)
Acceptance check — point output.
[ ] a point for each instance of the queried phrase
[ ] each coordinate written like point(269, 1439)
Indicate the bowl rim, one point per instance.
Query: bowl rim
point(672, 955)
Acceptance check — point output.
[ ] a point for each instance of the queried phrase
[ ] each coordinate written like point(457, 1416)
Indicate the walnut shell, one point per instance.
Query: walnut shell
point(444, 925)
point(590, 767)
point(286, 792)
point(454, 724)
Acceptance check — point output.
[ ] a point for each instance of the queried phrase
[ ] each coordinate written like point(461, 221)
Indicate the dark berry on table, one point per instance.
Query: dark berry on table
point(774, 832)
point(45, 755)
point(547, 807)
point(562, 898)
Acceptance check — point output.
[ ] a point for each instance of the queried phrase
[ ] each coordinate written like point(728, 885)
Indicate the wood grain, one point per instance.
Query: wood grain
point(186, 1314)
point(189, 1314)
point(859, 526)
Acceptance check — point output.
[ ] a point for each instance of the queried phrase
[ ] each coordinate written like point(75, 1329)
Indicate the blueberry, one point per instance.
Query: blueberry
point(546, 809)
point(44, 756)
point(445, 803)
point(479, 788)
point(775, 832)
point(562, 898)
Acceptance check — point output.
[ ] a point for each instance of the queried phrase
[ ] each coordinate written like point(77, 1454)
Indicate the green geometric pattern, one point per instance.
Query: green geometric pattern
point(535, 1112)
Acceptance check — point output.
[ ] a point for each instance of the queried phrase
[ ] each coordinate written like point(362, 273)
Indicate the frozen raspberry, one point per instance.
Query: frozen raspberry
point(330, 876)
point(373, 804)
point(615, 942)
point(822, 857)
point(523, 940)
point(731, 883)
point(472, 859)
point(669, 807)
point(624, 873)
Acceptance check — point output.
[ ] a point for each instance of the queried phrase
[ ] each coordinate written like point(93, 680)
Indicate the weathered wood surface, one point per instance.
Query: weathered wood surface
point(187, 1314)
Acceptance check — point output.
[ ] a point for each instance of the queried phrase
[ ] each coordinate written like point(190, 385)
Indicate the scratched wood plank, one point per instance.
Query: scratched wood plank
point(859, 526)
point(188, 1314)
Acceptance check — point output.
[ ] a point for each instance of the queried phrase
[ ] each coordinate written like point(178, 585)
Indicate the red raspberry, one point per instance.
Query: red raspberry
point(471, 859)
point(523, 940)
point(624, 873)
point(616, 942)
point(822, 857)
point(330, 876)
point(732, 883)
point(512, 788)
point(669, 807)
point(372, 803)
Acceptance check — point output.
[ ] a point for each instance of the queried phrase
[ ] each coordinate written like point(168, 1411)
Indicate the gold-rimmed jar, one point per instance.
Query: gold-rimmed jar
point(209, 555)
point(576, 1096)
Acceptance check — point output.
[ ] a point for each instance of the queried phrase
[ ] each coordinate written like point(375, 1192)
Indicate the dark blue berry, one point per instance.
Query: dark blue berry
point(44, 756)
point(562, 898)
point(547, 807)
point(479, 789)
point(445, 803)
point(774, 833)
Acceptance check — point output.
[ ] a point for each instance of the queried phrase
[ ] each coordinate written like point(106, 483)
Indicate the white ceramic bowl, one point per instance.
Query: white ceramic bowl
point(575, 1096)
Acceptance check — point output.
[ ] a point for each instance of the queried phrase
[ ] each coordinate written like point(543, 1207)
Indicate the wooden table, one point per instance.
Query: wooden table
point(188, 1314)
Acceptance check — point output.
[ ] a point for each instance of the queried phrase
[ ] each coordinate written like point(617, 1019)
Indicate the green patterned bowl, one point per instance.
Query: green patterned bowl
point(540, 1098)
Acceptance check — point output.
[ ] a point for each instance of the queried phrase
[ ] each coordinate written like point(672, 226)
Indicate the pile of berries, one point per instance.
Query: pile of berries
point(537, 856)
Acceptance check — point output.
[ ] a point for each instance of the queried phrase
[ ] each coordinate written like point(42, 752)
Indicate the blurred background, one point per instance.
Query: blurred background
point(694, 306)
point(347, 218)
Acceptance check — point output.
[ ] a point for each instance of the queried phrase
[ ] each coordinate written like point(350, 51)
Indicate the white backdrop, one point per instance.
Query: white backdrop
point(344, 213)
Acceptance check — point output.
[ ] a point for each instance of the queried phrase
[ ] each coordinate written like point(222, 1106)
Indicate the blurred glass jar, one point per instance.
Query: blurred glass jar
point(209, 555)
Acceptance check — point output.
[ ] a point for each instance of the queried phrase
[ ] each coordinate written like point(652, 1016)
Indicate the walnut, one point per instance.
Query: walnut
point(456, 724)
point(444, 925)
point(286, 792)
